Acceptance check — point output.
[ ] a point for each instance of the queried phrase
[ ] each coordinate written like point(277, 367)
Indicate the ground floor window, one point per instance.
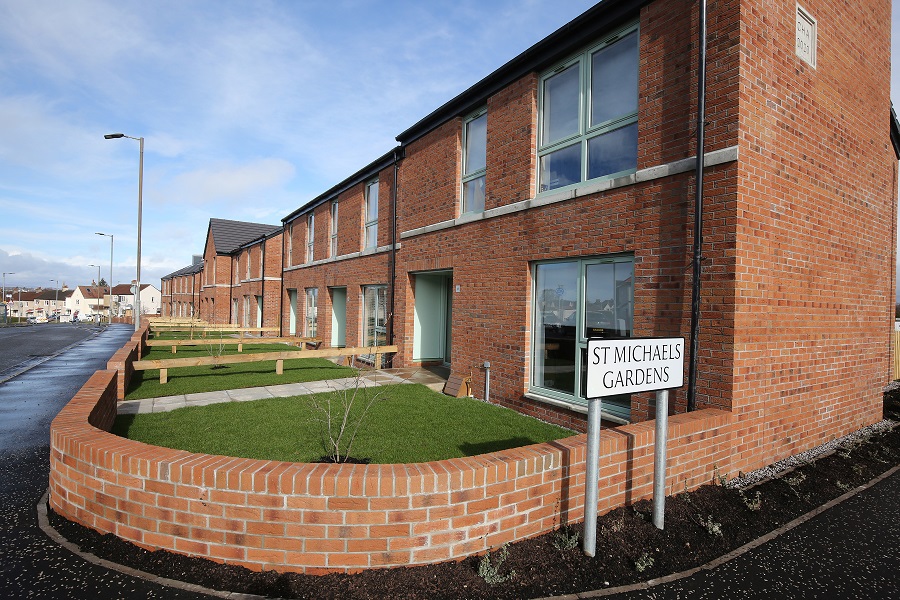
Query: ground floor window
point(375, 315)
point(312, 301)
point(576, 300)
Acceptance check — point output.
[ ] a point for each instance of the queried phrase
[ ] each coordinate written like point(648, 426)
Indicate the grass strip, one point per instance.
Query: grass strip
point(409, 423)
point(209, 378)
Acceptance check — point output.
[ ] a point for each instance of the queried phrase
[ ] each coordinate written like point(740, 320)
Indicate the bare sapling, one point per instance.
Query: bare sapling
point(341, 414)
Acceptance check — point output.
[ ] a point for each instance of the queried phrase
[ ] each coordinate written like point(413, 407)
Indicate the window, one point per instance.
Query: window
point(310, 236)
point(262, 259)
point(474, 162)
point(290, 244)
point(334, 228)
point(371, 233)
point(575, 300)
point(374, 317)
point(248, 262)
point(589, 114)
point(312, 298)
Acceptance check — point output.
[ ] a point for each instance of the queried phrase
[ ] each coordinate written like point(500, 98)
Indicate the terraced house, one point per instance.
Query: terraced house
point(556, 201)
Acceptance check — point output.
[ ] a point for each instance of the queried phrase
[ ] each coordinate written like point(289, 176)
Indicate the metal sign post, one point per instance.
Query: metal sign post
point(659, 457)
point(592, 476)
point(625, 366)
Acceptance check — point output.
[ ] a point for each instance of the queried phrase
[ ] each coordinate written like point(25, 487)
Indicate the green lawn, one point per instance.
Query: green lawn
point(190, 380)
point(409, 423)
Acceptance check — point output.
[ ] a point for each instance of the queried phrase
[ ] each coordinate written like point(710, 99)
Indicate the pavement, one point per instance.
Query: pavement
point(432, 378)
point(847, 549)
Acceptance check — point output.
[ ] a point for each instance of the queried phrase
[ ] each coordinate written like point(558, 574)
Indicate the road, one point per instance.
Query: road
point(31, 565)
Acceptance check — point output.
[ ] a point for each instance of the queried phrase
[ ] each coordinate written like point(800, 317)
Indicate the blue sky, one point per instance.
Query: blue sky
point(248, 110)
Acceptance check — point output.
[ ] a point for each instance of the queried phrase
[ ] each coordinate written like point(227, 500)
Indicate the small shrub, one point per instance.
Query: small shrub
point(719, 478)
point(565, 538)
point(844, 487)
point(644, 562)
point(341, 414)
point(615, 525)
point(795, 480)
point(754, 503)
point(491, 572)
point(712, 527)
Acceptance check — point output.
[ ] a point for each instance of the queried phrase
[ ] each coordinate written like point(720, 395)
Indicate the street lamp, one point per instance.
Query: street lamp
point(111, 240)
point(137, 293)
point(99, 289)
point(56, 300)
point(5, 273)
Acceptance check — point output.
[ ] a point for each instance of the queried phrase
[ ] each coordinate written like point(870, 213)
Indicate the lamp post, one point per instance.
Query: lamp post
point(99, 289)
point(137, 294)
point(56, 300)
point(5, 273)
point(111, 240)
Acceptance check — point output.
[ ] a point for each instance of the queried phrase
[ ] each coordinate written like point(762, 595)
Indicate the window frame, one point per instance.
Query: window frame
point(380, 291)
point(370, 224)
point(311, 313)
point(585, 130)
point(468, 177)
point(310, 237)
point(618, 407)
point(334, 228)
point(290, 244)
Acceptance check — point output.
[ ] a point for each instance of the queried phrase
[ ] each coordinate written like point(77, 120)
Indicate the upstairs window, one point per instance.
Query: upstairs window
point(248, 263)
point(310, 232)
point(474, 162)
point(334, 228)
point(371, 226)
point(290, 244)
point(589, 114)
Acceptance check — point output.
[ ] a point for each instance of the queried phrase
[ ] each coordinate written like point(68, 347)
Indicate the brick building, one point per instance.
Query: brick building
point(553, 201)
point(338, 252)
point(180, 290)
point(256, 298)
point(220, 277)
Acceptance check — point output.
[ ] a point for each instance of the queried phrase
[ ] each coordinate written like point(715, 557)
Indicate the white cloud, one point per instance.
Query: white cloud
point(231, 184)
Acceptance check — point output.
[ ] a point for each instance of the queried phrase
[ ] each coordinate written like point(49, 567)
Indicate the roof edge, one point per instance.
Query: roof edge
point(556, 46)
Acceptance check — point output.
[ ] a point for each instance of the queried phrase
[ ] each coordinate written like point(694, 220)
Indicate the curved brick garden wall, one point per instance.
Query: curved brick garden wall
point(123, 359)
point(318, 518)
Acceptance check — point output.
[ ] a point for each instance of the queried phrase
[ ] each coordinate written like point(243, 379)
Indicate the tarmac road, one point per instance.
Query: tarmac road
point(32, 565)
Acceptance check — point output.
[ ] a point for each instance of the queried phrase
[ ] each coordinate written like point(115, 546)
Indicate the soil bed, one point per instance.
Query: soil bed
point(699, 526)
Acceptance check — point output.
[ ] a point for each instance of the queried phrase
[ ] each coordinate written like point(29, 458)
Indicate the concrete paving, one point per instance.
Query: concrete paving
point(434, 379)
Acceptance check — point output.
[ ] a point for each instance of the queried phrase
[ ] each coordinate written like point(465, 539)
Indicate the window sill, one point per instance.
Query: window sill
point(574, 407)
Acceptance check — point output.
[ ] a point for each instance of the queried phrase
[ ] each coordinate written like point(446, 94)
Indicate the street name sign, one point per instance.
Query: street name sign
point(634, 365)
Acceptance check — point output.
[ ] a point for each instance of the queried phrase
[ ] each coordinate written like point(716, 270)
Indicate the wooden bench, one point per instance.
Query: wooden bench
point(207, 329)
point(294, 341)
point(165, 364)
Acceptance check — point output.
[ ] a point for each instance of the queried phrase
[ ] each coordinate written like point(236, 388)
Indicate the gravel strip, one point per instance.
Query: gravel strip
point(848, 441)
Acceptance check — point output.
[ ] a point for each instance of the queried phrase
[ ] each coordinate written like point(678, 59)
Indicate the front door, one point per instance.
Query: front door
point(432, 340)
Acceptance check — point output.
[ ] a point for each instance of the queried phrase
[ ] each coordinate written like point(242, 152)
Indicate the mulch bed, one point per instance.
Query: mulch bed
point(699, 526)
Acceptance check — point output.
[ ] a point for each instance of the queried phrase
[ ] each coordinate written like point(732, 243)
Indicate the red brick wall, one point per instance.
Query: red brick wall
point(318, 518)
point(269, 288)
point(814, 226)
point(512, 144)
point(429, 178)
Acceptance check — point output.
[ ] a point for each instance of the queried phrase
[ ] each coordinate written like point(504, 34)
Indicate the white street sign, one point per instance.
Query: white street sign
point(634, 365)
